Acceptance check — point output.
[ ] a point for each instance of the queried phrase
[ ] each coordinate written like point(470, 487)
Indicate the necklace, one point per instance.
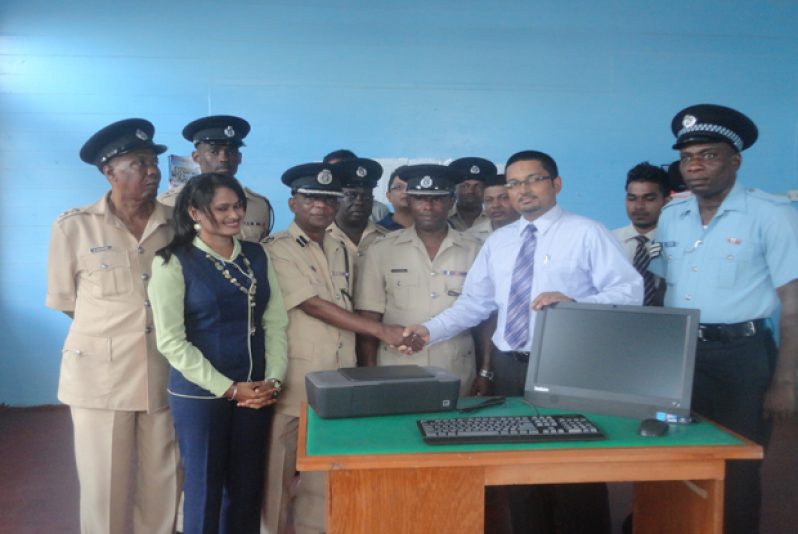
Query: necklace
point(222, 268)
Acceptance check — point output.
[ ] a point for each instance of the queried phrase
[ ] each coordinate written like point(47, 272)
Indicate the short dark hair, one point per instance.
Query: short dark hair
point(338, 155)
point(395, 174)
point(545, 160)
point(646, 172)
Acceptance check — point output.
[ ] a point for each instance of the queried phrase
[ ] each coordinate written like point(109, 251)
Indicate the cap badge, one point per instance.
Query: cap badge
point(426, 182)
point(474, 169)
point(688, 121)
point(324, 177)
point(361, 172)
point(229, 131)
point(141, 134)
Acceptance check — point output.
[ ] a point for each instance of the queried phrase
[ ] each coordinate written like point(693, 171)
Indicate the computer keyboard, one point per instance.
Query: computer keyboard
point(509, 429)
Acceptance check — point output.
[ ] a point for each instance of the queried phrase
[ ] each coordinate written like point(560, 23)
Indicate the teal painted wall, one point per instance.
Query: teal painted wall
point(595, 84)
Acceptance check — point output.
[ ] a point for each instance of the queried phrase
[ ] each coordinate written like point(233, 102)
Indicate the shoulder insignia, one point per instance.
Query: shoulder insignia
point(67, 213)
point(770, 197)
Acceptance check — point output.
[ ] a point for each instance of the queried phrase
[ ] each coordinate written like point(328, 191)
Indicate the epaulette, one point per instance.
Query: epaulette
point(769, 197)
point(253, 194)
point(278, 236)
point(68, 213)
point(302, 241)
point(676, 202)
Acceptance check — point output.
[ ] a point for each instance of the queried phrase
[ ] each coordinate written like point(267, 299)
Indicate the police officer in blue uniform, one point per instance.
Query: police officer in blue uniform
point(732, 252)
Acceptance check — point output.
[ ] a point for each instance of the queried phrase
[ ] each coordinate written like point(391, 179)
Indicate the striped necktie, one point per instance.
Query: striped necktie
point(641, 262)
point(516, 329)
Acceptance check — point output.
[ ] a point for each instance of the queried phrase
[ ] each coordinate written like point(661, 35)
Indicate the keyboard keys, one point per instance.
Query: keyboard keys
point(509, 429)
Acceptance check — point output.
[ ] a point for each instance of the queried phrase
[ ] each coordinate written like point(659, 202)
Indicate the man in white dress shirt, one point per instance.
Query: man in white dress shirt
point(647, 191)
point(575, 259)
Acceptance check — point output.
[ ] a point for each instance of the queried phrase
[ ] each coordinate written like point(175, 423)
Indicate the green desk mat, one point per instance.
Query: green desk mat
point(399, 434)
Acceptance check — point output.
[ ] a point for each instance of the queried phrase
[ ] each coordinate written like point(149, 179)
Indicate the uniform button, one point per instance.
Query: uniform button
point(78, 353)
point(148, 330)
point(145, 276)
point(140, 250)
point(695, 268)
point(688, 297)
point(730, 257)
point(147, 303)
point(103, 266)
point(337, 297)
point(670, 257)
point(433, 273)
point(433, 295)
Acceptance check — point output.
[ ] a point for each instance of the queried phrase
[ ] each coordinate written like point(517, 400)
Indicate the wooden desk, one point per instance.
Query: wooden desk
point(384, 478)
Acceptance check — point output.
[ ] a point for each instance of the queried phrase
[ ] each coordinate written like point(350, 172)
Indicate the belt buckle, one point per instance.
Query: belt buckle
point(749, 329)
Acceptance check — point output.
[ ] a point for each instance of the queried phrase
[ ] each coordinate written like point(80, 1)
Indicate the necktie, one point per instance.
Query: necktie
point(516, 329)
point(641, 261)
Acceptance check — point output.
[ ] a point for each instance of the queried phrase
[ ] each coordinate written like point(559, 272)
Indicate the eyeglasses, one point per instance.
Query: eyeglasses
point(708, 155)
point(398, 188)
point(529, 180)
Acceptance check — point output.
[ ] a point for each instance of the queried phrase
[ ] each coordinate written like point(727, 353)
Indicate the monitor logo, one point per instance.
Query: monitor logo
point(541, 388)
point(446, 403)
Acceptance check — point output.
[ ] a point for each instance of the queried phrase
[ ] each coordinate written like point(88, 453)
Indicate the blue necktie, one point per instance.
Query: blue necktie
point(516, 329)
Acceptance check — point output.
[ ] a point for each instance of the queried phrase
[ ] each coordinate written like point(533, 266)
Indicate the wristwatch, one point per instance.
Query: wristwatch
point(487, 375)
point(278, 385)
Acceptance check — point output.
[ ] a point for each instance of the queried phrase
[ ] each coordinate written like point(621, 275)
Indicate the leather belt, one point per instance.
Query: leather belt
point(725, 332)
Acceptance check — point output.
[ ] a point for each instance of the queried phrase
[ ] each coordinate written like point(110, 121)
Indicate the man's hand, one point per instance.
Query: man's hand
point(480, 387)
point(548, 298)
point(392, 334)
point(780, 400)
point(415, 338)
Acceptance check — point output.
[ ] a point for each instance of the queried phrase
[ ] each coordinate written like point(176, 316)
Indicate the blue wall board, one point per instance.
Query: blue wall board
point(595, 84)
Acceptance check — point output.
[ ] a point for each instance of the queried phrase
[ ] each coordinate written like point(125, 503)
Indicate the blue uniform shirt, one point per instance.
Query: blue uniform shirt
point(731, 268)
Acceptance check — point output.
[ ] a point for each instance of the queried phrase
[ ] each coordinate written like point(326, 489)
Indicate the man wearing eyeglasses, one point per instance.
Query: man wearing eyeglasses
point(397, 196)
point(314, 271)
point(353, 226)
point(549, 255)
point(732, 252)
point(414, 273)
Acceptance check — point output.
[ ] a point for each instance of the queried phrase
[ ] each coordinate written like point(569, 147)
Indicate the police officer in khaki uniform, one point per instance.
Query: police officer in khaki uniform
point(352, 225)
point(467, 210)
point(378, 209)
point(217, 148)
point(314, 273)
point(112, 376)
point(413, 274)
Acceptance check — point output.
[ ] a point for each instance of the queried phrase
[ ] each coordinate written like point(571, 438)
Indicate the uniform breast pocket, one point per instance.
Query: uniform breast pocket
point(108, 273)
point(402, 288)
point(730, 262)
point(454, 284)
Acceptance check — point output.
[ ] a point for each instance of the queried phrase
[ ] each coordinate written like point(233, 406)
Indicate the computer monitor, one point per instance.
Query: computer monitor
point(630, 361)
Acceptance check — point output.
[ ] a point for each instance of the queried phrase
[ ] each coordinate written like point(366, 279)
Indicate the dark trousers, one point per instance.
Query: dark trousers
point(731, 378)
point(223, 452)
point(540, 508)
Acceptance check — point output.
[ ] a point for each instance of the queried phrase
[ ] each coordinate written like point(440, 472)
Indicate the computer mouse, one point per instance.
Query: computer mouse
point(652, 428)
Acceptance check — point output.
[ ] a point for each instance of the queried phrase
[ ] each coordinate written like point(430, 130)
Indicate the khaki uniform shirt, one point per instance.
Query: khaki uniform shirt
point(254, 227)
point(481, 230)
point(399, 280)
point(98, 271)
point(305, 271)
point(458, 223)
point(371, 233)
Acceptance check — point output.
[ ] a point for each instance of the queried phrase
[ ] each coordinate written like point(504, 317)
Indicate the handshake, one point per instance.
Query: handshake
point(407, 340)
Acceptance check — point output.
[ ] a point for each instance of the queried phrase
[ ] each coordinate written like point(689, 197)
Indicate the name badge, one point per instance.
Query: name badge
point(398, 270)
point(95, 250)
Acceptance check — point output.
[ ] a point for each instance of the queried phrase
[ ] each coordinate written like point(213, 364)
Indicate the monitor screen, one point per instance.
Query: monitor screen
point(631, 361)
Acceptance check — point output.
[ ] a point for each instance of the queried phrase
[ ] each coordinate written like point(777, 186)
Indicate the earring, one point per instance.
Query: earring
point(197, 227)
